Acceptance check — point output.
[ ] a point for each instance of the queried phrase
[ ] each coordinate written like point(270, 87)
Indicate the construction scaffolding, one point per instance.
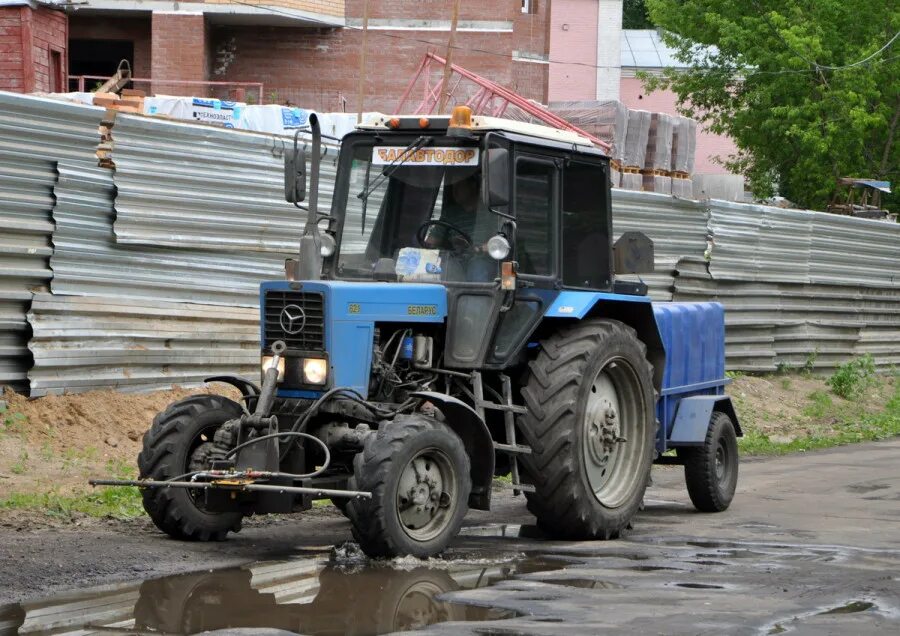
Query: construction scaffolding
point(463, 87)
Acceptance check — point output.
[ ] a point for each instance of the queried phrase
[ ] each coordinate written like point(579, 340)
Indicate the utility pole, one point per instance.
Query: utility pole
point(447, 67)
point(362, 63)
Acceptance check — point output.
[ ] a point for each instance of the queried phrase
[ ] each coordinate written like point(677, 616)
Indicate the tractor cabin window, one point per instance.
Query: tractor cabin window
point(534, 216)
point(585, 227)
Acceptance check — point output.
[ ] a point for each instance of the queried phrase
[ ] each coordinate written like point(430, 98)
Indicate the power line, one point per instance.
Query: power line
point(863, 61)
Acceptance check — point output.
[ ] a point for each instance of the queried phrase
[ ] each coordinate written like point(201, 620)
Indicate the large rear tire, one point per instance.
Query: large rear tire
point(711, 470)
point(591, 426)
point(170, 448)
point(418, 473)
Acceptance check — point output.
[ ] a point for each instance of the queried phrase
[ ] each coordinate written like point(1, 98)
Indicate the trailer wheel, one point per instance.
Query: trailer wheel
point(711, 470)
point(172, 448)
point(590, 424)
point(417, 470)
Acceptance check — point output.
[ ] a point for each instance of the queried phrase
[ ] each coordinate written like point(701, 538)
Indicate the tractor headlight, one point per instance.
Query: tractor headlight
point(315, 370)
point(328, 245)
point(498, 247)
point(267, 364)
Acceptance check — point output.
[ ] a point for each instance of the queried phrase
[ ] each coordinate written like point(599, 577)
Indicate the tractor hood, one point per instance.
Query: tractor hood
point(338, 318)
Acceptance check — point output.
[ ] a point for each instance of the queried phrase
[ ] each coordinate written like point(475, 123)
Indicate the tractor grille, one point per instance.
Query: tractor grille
point(311, 317)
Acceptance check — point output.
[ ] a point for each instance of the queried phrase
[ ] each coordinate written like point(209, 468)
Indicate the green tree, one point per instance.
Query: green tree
point(808, 89)
point(635, 15)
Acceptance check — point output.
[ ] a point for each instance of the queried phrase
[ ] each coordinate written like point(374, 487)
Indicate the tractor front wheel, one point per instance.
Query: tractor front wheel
point(417, 470)
point(591, 425)
point(173, 448)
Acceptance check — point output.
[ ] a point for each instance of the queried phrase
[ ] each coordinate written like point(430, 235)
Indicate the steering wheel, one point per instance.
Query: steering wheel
point(423, 230)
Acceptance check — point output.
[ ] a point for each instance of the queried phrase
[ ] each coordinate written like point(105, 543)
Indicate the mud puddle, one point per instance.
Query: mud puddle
point(330, 591)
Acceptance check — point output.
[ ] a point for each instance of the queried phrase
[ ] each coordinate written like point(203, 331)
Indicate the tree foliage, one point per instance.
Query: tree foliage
point(802, 86)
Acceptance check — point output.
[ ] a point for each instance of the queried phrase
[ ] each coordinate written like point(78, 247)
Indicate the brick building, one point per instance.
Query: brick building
point(33, 42)
point(305, 52)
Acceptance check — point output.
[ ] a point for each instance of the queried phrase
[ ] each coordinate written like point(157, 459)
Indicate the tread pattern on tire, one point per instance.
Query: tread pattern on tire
point(699, 475)
point(550, 428)
point(157, 461)
point(371, 468)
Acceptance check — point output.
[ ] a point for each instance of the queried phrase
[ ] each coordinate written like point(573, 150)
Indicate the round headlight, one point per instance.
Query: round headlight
point(328, 245)
point(498, 247)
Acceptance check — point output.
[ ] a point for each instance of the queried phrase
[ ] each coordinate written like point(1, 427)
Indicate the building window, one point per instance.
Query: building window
point(529, 6)
point(57, 78)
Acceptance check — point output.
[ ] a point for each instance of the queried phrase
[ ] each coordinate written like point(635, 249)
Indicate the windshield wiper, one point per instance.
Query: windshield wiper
point(386, 173)
point(402, 158)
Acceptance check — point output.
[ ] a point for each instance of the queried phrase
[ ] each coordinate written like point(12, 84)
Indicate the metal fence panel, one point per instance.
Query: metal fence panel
point(775, 325)
point(25, 202)
point(677, 227)
point(83, 343)
point(34, 132)
point(190, 186)
point(850, 251)
point(88, 261)
point(756, 242)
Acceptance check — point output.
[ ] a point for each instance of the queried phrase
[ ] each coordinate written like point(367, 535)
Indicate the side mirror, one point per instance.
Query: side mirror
point(495, 177)
point(294, 175)
point(633, 254)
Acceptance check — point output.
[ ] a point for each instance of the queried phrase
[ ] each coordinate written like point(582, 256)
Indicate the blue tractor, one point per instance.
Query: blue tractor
point(455, 316)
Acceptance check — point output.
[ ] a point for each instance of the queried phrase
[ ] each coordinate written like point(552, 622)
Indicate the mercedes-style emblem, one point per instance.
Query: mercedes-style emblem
point(292, 319)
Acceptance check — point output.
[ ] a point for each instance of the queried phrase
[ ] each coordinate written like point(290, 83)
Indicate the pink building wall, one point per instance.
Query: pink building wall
point(708, 144)
point(573, 38)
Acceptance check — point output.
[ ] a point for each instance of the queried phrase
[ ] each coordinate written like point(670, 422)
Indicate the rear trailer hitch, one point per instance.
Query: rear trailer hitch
point(238, 474)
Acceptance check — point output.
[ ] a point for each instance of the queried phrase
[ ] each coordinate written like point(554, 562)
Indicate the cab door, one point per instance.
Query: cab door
point(535, 205)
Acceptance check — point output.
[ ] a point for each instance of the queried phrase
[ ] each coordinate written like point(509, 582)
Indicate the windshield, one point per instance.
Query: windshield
point(414, 210)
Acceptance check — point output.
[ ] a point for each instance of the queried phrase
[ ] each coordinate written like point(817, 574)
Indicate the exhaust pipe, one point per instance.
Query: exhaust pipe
point(310, 264)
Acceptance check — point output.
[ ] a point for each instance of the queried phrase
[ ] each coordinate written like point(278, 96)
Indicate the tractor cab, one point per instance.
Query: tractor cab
point(504, 215)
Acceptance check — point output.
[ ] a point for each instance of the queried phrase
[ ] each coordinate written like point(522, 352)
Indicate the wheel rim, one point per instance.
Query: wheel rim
point(721, 462)
point(615, 427)
point(196, 460)
point(426, 494)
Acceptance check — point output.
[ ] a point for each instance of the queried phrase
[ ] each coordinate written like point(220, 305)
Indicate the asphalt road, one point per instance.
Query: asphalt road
point(811, 545)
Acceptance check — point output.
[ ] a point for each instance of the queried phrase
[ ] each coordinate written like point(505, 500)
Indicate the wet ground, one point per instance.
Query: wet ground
point(810, 546)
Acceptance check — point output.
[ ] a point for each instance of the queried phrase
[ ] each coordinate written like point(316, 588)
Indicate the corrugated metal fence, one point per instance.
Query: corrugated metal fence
point(147, 275)
point(35, 133)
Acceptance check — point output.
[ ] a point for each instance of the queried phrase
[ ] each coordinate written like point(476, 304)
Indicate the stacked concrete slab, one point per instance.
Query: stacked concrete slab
point(684, 147)
point(652, 152)
point(656, 173)
point(607, 120)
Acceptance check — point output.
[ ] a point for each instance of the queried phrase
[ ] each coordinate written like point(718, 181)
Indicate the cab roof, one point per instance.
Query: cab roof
point(379, 121)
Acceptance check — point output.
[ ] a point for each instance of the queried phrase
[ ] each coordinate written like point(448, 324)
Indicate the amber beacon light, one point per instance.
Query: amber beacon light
point(461, 117)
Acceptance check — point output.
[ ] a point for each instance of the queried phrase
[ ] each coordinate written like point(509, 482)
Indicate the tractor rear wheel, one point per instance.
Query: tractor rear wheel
point(591, 426)
point(417, 470)
point(711, 470)
point(174, 447)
